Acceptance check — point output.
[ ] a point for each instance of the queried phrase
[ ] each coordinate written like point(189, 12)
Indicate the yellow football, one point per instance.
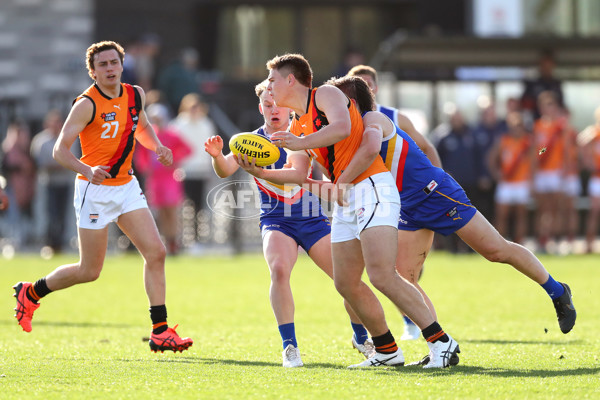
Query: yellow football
point(254, 146)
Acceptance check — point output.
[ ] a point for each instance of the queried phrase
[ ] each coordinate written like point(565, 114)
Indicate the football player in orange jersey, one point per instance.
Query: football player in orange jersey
point(589, 140)
point(108, 118)
point(364, 231)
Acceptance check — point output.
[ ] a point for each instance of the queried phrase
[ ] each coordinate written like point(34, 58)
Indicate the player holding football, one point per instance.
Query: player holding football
point(433, 201)
point(290, 217)
point(364, 231)
point(108, 118)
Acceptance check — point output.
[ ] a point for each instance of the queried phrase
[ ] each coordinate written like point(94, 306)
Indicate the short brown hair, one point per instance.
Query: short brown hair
point(294, 64)
point(363, 70)
point(355, 88)
point(98, 48)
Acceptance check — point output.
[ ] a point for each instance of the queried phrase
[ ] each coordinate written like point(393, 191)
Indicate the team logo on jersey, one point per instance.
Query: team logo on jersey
point(111, 116)
point(134, 114)
point(93, 218)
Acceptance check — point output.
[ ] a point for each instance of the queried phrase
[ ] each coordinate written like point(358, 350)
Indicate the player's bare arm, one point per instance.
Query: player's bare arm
point(224, 166)
point(78, 118)
point(377, 125)
point(147, 137)
point(334, 104)
point(424, 144)
point(294, 172)
point(493, 161)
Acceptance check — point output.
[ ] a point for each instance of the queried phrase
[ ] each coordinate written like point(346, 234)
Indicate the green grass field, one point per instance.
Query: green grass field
point(87, 341)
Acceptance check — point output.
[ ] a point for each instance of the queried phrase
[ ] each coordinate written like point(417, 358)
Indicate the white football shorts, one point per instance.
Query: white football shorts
point(372, 202)
point(572, 186)
point(98, 205)
point(594, 187)
point(513, 193)
point(547, 182)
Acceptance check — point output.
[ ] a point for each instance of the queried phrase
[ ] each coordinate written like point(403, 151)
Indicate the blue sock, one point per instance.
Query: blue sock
point(553, 288)
point(360, 333)
point(408, 321)
point(288, 334)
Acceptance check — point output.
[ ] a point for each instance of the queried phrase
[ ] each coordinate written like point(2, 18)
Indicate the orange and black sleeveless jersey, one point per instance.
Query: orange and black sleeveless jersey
point(334, 158)
point(515, 163)
point(108, 139)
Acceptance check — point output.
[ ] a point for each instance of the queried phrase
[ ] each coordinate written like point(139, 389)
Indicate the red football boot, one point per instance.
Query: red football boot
point(25, 307)
point(169, 340)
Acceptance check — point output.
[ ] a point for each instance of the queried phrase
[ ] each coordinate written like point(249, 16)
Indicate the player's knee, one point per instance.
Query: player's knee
point(495, 254)
point(157, 255)
point(377, 279)
point(279, 273)
point(344, 287)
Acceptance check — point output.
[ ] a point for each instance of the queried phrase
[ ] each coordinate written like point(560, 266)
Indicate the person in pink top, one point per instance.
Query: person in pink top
point(164, 185)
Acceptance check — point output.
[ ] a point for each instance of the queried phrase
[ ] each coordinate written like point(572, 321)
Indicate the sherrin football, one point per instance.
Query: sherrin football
point(254, 146)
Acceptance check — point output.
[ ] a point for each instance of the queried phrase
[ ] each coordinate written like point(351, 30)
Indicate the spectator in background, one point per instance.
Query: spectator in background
point(550, 133)
point(458, 153)
point(510, 162)
point(139, 63)
point(352, 56)
point(19, 169)
point(55, 180)
point(180, 78)
point(163, 183)
point(129, 75)
point(195, 127)
point(589, 140)
point(487, 132)
point(544, 82)
point(571, 186)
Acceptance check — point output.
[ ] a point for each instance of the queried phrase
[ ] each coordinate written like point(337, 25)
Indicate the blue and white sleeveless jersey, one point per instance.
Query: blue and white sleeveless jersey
point(389, 112)
point(415, 176)
point(285, 200)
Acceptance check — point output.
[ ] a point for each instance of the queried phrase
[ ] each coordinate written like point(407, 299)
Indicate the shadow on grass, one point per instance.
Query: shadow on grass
point(67, 324)
point(507, 341)
point(495, 372)
point(266, 363)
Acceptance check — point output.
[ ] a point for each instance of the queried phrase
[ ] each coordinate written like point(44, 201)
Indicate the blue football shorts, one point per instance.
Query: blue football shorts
point(306, 231)
point(445, 210)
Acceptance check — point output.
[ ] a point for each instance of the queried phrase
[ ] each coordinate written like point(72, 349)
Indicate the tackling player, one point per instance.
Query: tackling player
point(108, 118)
point(433, 201)
point(369, 74)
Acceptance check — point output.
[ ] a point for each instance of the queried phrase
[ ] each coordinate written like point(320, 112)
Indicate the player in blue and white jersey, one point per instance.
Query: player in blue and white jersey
point(290, 217)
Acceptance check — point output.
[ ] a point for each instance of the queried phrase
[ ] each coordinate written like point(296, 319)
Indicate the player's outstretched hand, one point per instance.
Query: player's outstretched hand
point(98, 174)
point(165, 155)
point(214, 145)
point(287, 140)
